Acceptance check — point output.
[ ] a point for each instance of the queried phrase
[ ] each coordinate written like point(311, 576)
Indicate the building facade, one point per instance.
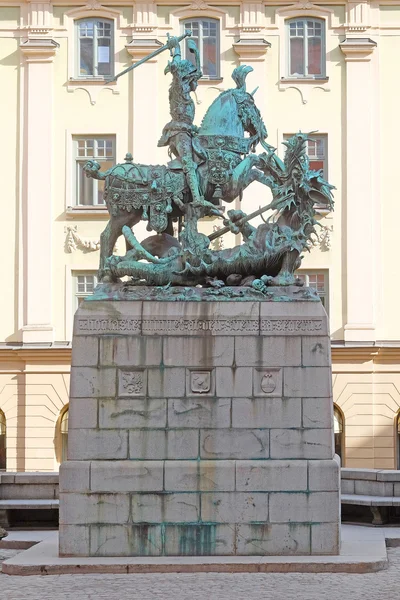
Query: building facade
point(329, 68)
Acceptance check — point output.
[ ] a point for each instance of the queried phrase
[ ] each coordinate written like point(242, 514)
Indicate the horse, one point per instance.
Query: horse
point(227, 164)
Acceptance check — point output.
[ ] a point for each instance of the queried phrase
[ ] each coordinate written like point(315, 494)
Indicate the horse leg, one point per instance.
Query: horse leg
point(110, 235)
point(291, 262)
point(243, 175)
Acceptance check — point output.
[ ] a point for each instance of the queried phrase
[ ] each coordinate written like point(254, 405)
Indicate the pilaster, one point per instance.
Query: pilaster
point(144, 94)
point(37, 175)
point(361, 197)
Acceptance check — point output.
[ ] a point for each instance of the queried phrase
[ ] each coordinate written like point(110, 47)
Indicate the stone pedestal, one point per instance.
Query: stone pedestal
point(200, 428)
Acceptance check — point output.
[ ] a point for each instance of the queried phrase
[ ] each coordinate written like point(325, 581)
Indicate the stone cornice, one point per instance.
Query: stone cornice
point(39, 50)
point(138, 48)
point(358, 49)
point(251, 49)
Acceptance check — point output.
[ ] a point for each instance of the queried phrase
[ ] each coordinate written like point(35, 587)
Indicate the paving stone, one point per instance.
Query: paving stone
point(317, 507)
point(264, 351)
point(205, 475)
point(266, 539)
point(271, 475)
point(309, 382)
point(126, 476)
point(234, 443)
point(301, 443)
point(199, 412)
point(205, 351)
point(161, 444)
point(135, 351)
point(124, 413)
point(166, 383)
point(234, 382)
point(234, 507)
point(164, 508)
point(86, 444)
point(199, 539)
point(86, 509)
point(266, 412)
point(89, 382)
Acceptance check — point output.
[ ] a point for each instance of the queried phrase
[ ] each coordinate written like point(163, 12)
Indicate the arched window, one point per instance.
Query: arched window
point(205, 32)
point(64, 435)
point(306, 48)
point(338, 429)
point(95, 47)
point(398, 439)
point(3, 457)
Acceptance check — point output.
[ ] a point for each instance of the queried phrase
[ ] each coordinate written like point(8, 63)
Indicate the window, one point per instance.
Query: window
point(306, 52)
point(89, 192)
point(205, 32)
point(338, 431)
point(64, 435)
point(3, 461)
point(319, 281)
point(317, 152)
point(95, 48)
point(84, 286)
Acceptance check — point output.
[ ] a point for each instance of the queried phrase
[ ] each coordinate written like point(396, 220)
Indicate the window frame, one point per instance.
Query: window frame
point(305, 274)
point(95, 75)
point(77, 160)
point(184, 27)
point(3, 423)
point(81, 295)
point(64, 417)
point(306, 75)
point(341, 420)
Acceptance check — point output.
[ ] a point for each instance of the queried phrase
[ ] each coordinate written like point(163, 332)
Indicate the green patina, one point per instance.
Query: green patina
point(210, 164)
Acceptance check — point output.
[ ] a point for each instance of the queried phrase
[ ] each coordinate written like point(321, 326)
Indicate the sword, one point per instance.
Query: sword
point(152, 55)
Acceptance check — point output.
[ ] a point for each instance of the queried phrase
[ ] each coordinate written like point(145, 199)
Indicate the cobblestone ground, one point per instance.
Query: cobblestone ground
point(375, 586)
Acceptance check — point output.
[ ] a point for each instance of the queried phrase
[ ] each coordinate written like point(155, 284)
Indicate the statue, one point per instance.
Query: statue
point(213, 163)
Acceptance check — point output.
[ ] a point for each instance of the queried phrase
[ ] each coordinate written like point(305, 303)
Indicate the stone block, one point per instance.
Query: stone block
point(234, 382)
point(146, 540)
point(269, 539)
point(200, 318)
point(75, 476)
point(89, 382)
point(388, 475)
point(87, 509)
point(234, 443)
point(271, 475)
point(38, 478)
point(164, 508)
point(132, 351)
point(108, 318)
point(211, 351)
point(166, 382)
point(315, 351)
point(234, 507)
point(85, 352)
point(86, 444)
point(396, 489)
point(373, 488)
point(293, 319)
point(203, 539)
point(110, 540)
point(314, 507)
point(364, 474)
point(347, 486)
point(317, 412)
point(263, 351)
point(83, 414)
point(307, 382)
point(132, 383)
point(126, 476)
point(193, 476)
point(301, 443)
point(74, 540)
point(199, 412)
point(267, 382)
point(266, 412)
point(324, 475)
point(159, 444)
point(131, 413)
point(11, 491)
point(325, 538)
point(200, 382)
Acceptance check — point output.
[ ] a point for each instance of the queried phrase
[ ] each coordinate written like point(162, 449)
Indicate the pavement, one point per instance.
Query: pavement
point(382, 585)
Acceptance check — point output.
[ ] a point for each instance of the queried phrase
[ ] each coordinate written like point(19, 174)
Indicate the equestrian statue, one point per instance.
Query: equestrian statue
point(210, 165)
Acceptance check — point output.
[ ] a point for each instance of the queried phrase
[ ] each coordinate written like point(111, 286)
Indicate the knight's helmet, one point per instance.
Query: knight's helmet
point(187, 69)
